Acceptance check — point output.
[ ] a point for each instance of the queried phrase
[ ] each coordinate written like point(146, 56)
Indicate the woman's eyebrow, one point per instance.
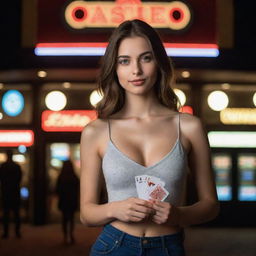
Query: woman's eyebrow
point(144, 53)
point(123, 56)
point(127, 56)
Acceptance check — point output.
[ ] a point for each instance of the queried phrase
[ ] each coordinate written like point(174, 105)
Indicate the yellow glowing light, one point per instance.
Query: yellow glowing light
point(225, 86)
point(254, 99)
point(181, 95)
point(217, 100)
point(95, 97)
point(245, 116)
point(185, 74)
point(41, 73)
point(19, 158)
point(66, 85)
point(3, 157)
point(55, 100)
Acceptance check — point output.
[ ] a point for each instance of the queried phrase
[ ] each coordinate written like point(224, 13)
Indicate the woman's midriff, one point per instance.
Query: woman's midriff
point(146, 228)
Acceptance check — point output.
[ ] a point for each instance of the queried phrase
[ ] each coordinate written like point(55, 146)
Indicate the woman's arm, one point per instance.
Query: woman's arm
point(92, 213)
point(199, 159)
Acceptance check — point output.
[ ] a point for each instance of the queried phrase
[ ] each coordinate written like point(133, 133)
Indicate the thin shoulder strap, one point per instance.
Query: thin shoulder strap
point(178, 126)
point(109, 130)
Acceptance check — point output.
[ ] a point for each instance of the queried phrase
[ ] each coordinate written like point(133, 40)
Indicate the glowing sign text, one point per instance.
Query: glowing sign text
point(14, 138)
point(175, 15)
point(66, 120)
point(246, 116)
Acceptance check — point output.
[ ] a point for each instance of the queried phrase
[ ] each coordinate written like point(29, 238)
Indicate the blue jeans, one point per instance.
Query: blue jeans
point(114, 242)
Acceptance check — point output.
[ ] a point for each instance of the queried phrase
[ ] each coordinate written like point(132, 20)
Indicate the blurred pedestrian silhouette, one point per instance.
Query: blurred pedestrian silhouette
point(67, 189)
point(10, 178)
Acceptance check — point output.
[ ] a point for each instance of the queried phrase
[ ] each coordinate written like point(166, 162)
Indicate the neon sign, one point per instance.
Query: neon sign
point(244, 116)
point(98, 49)
point(66, 120)
point(232, 139)
point(14, 138)
point(175, 15)
point(197, 40)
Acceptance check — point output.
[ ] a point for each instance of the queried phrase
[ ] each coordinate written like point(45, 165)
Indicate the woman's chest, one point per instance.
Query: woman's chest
point(144, 145)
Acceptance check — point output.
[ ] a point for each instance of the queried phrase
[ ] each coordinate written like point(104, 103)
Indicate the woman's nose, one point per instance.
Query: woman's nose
point(137, 68)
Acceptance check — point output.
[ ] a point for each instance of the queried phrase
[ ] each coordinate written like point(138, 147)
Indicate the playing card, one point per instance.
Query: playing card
point(151, 183)
point(146, 184)
point(141, 186)
point(159, 193)
point(154, 180)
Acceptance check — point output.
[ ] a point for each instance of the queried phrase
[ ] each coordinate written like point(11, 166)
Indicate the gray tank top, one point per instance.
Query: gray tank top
point(120, 171)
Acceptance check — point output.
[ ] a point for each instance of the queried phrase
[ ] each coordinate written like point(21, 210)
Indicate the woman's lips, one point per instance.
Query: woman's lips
point(137, 82)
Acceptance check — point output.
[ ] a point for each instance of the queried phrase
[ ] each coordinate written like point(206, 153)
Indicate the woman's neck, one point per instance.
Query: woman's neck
point(141, 106)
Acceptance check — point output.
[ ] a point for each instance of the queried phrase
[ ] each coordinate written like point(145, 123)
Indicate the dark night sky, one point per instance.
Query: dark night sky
point(241, 57)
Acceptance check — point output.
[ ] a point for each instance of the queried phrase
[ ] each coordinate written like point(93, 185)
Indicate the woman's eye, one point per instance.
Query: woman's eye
point(123, 61)
point(147, 58)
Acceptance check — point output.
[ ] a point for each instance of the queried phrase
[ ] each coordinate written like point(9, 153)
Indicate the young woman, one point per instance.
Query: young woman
point(140, 136)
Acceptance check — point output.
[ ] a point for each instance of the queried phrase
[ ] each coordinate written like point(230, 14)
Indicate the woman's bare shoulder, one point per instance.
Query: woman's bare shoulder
point(96, 129)
point(190, 124)
point(189, 119)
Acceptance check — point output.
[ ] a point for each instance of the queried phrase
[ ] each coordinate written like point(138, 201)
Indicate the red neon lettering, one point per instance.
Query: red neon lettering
point(128, 1)
point(99, 16)
point(118, 15)
point(129, 10)
point(114, 13)
point(156, 12)
point(140, 13)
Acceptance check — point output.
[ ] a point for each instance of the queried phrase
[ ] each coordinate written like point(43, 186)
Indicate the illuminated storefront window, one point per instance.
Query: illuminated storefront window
point(222, 166)
point(235, 107)
point(247, 177)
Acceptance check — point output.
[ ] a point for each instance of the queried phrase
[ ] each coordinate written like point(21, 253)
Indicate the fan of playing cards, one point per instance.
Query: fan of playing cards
point(150, 187)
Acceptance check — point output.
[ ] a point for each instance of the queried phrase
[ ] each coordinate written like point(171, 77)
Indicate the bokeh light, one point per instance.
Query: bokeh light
point(218, 100)
point(55, 100)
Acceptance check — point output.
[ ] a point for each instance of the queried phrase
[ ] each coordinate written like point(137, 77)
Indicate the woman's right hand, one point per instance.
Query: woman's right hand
point(132, 209)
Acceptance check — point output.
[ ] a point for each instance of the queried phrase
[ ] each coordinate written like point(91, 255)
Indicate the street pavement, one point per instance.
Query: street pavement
point(47, 240)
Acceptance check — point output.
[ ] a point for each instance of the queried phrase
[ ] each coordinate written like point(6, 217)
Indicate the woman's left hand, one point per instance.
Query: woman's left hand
point(165, 213)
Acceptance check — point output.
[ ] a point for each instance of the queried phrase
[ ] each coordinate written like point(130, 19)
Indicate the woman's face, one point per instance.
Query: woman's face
point(136, 67)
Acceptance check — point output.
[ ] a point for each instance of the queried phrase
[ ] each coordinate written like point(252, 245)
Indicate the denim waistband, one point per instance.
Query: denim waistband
point(143, 242)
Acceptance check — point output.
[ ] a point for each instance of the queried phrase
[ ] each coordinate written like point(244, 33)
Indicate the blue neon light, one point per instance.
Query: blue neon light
point(99, 51)
point(24, 193)
point(13, 103)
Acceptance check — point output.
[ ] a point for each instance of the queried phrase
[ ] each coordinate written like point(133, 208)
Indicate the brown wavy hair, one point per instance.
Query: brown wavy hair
point(108, 85)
